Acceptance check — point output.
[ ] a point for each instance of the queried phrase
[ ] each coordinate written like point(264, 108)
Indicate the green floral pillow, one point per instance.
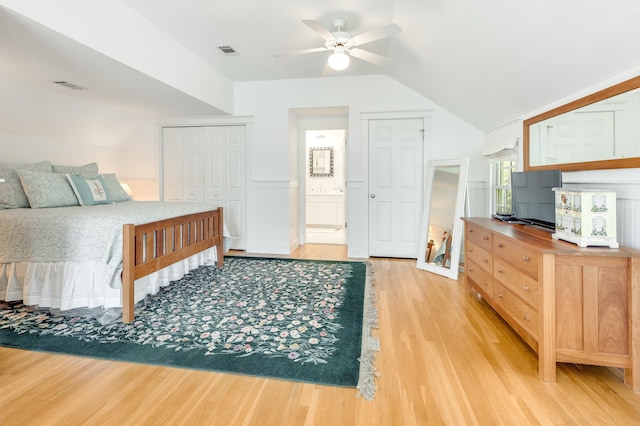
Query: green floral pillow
point(12, 194)
point(47, 189)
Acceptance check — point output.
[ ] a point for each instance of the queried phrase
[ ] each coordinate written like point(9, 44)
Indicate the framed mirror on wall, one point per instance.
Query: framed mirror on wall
point(599, 131)
point(321, 162)
point(444, 205)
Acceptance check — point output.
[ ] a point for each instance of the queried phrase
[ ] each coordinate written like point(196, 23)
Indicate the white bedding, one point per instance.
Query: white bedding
point(71, 257)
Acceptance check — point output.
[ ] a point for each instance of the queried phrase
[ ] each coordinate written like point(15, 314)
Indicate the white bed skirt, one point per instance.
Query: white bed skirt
point(71, 285)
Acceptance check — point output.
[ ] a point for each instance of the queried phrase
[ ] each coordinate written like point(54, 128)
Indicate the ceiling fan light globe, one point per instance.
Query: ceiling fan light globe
point(339, 61)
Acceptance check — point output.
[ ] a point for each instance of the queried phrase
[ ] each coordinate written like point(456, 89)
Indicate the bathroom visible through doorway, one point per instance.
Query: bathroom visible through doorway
point(325, 186)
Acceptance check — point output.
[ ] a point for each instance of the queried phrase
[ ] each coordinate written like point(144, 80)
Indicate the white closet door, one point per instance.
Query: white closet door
point(235, 188)
point(172, 164)
point(214, 165)
point(193, 170)
point(208, 163)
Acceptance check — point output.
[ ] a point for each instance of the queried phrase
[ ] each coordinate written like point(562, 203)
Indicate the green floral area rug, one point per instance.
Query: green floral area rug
point(298, 320)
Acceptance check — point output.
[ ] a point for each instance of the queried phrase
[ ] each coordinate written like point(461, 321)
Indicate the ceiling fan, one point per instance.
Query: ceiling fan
point(344, 44)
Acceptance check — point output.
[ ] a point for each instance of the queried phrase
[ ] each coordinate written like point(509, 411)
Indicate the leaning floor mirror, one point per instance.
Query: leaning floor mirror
point(441, 231)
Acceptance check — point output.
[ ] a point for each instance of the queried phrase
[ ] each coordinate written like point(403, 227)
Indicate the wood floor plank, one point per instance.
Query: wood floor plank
point(446, 358)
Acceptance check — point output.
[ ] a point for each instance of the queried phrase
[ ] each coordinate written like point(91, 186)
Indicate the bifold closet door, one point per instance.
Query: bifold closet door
point(225, 177)
point(182, 164)
point(208, 163)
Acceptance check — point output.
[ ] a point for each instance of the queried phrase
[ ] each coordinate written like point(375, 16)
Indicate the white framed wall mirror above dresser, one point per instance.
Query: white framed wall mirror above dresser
point(601, 152)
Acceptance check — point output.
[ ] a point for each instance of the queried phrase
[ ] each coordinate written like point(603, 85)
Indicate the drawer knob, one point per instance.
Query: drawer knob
point(525, 258)
point(485, 282)
point(500, 245)
point(499, 271)
point(470, 250)
point(526, 318)
point(485, 238)
point(485, 260)
point(470, 230)
point(526, 288)
point(500, 295)
point(471, 269)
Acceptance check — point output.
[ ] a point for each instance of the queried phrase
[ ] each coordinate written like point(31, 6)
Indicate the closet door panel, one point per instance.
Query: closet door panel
point(214, 176)
point(233, 214)
point(214, 169)
point(235, 172)
point(208, 163)
point(235, 184)
point(193, 164)
point(172, 163)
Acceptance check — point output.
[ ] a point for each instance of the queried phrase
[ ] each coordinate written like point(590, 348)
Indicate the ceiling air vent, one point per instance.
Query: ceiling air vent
point(228, 50)
point(69, 85)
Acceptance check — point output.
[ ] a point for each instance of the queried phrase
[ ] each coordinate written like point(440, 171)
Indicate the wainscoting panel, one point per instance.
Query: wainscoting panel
point(628, 222)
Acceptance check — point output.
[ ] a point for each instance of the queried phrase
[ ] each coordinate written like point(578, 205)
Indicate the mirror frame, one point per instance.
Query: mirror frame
point(326, 155)
point(618, 163)
point(452, 271)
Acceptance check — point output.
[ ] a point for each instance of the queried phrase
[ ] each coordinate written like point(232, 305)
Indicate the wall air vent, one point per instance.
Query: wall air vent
point(69, 85)
point(228, 50)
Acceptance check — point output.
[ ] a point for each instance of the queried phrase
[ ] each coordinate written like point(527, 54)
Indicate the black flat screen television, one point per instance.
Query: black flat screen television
point(532, 196)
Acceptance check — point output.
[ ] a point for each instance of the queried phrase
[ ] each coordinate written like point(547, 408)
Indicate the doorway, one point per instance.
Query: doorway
point(325, 186)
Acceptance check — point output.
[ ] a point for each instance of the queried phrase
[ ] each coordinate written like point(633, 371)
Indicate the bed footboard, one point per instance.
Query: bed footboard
point(152, 246)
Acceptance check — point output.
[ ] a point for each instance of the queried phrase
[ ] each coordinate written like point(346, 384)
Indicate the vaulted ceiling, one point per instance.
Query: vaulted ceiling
point(488, 62)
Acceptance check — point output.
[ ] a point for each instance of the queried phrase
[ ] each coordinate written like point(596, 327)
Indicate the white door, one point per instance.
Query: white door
point(235, 186)
point(172, 163)
point(395, 186)
point(225, 182)
point(193, 164)
point(208, 163)
point(214, 165)
point(182, 164)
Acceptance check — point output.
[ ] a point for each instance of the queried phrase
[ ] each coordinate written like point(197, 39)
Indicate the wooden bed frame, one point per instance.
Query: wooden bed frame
point(152, 246)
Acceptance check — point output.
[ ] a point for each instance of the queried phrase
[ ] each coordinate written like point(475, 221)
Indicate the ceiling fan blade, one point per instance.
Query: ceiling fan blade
point(365, 55)
point(302, 51)
point(320, 29)
point(374, 35)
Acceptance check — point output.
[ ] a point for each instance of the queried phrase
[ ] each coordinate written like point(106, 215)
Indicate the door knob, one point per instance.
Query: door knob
point(372, 195)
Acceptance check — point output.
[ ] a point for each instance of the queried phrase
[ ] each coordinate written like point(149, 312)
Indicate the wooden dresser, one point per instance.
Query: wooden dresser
point(570, 304)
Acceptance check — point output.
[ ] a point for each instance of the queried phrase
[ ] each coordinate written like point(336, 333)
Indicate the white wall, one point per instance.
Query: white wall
point(37, 124)
point(270, 102)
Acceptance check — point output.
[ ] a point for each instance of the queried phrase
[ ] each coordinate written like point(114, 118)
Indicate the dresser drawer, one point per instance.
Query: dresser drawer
point(521, 284)
point(480, 236)
point(520, 256)
point(520, 312)
point(482, 279)
point(480, 256)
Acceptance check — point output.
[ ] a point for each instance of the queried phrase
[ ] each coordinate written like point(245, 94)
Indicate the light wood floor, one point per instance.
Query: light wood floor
point(445, 358)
